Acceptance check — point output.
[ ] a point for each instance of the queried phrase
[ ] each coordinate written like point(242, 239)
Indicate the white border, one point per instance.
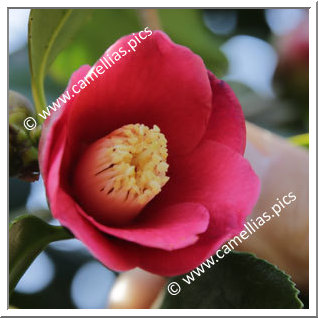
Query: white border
point(166, 3)
point(312, 156)
point(312, 163)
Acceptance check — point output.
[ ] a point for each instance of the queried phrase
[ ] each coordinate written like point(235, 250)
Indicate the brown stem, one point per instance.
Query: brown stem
point(150, 18)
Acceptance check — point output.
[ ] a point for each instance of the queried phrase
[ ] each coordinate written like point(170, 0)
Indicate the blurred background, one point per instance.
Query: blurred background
point(262, 53)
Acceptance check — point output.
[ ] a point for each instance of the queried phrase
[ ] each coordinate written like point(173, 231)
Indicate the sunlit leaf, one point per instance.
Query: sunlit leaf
point(301, 140)
point(50, 30)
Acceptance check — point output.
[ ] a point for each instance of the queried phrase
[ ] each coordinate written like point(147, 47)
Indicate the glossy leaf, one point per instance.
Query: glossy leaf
point(238, 281)
point(50, 30)
point(28, 236)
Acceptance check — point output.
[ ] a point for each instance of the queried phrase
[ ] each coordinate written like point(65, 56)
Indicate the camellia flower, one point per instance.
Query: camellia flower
point(292, 72)
point(145, 165)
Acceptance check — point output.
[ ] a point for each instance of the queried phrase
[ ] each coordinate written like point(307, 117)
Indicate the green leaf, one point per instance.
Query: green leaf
point(50, 30)
point(300, 140)
point(238, 281)
point(28, 236)
point(104, 28)
point(186, 27)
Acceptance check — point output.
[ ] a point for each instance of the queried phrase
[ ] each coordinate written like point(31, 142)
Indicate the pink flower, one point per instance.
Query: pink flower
point(293, 48)
point(176, 186)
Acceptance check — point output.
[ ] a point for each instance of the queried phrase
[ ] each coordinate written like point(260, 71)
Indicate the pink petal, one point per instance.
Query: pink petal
point(54, 124)
point(167, 228)
point(183, 260)
point(215, 176)
point(161, 83)
point(227, 124)
point(224, 182)
point(114, 253)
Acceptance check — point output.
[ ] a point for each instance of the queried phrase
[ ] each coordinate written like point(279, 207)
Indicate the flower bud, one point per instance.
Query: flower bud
point(23, 144)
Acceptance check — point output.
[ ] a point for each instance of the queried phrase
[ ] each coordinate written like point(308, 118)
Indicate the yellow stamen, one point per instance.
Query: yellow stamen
point(121, 172)
point(136, 163)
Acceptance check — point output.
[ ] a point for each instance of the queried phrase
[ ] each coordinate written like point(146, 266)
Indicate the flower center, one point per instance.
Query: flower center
point(121, 172)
